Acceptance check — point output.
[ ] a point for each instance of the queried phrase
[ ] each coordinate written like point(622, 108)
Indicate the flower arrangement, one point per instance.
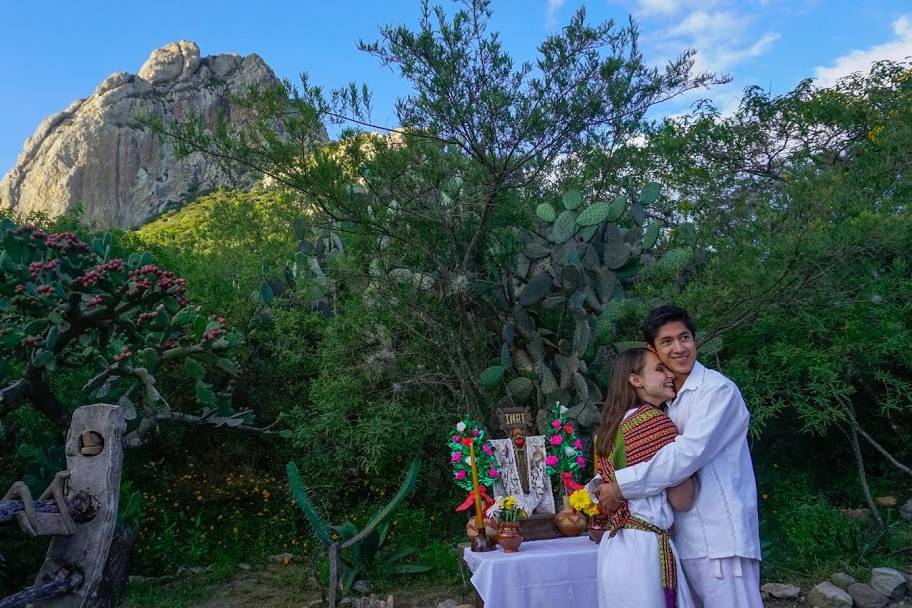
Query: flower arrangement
point(581, 500)
point(565, 449)
point(465, 433)
point(506, 509)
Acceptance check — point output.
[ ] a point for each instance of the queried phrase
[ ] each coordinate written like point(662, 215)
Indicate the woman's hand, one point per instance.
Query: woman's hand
point(609, 497)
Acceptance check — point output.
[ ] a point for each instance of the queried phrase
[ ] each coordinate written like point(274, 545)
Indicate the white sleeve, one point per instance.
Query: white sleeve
point(719, 419)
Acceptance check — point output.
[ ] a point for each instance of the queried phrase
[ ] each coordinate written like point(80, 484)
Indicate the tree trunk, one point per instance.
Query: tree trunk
point(117, 568)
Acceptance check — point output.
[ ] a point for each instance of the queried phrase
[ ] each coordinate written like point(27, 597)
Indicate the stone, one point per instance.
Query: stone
point(780, 591)
point(858, 514)
point(867, 597)
point(244, 566)
point(449, 603)
point(361, 587)
point(828, 595)
point(97, 154)
point(283, 559)
point(890, 582)
point(885, 501)
point(842, 580)
point(905, 511)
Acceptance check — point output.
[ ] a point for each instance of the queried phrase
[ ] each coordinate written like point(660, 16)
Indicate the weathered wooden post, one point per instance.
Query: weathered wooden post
point(94, 454)
point(78, 510)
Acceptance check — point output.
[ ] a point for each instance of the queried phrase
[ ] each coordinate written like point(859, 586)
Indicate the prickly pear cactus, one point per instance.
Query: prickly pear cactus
point(566, 287)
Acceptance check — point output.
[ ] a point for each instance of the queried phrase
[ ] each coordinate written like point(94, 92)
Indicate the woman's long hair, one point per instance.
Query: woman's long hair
point(620, 397)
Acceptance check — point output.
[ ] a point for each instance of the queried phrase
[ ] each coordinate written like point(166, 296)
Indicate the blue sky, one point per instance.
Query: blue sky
point(52, 53)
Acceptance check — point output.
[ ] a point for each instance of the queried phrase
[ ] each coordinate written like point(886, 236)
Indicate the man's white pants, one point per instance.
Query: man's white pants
point(729, 582)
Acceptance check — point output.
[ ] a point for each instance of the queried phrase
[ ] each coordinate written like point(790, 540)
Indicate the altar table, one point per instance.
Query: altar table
point(542, 574)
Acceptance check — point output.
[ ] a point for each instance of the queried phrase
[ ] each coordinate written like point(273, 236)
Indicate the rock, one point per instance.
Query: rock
point(192, 570)
point(447, 604)
point(828, 595)
point(858, 514)
point(97, 154)
point(283, 559)
point(780, 591)
point(885, 501)
point(867, 597)
point(842, 580)
point(244, 566)
point(361, 587)
point(890, 582)
point(905, 511)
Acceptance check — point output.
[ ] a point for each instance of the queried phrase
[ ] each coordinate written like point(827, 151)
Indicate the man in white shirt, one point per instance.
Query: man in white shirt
point(717, 540)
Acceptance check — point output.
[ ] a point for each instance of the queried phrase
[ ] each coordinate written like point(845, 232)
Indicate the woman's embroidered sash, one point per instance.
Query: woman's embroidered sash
point(639, 437)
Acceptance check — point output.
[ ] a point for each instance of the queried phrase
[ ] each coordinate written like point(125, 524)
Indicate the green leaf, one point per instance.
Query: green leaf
point(638, 213)
point(572, 199)
point(183, 316)
point(194, 369)
point(45, 358)
point(492, 375)
point(204, 393)
point(594, 214)
point(545, 212)
point(227, 364)
point(35, 327)
point(650, 193)
point(147, 358)
point(616, 208)
point(651, 235)
point(564, 227)
point(266, 294)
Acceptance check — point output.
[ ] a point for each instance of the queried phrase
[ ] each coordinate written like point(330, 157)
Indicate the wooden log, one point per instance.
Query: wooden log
point(44, 591)
point(81, 508)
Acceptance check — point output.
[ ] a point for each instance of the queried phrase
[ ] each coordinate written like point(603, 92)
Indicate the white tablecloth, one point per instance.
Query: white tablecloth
point(552, 573)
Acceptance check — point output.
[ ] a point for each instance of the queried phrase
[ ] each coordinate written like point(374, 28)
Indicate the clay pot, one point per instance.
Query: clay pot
point(568, 521)
point(490, 528)
point(598, 525)
point(509, 537)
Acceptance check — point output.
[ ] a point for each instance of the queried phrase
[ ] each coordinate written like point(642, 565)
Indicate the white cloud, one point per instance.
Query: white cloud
point(648, 8)
point(720, 38)
point(860, 60)
point(554, 7)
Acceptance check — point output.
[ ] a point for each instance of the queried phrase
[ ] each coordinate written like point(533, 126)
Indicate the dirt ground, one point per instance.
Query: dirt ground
point(291, 586)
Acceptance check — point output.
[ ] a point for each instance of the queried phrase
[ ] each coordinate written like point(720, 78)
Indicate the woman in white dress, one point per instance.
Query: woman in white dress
point(637, 563)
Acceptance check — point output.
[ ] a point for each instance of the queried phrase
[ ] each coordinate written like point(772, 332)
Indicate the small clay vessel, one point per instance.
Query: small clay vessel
point(598, 525)
point(569, 521)
point(509, 537)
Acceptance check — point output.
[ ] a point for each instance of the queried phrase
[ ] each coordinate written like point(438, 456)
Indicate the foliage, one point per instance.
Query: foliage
point(506, 509)
point(68, 305)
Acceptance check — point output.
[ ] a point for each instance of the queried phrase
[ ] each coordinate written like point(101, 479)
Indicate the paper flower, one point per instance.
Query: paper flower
point(487, 449)
point(461, 427)
point(456, 457)
point(493, 473)
point(551, 460)
point(578, 444)
point(460, 474)
point(556, 424)
point(581, 461)
point(570, 451)
point(556, 440)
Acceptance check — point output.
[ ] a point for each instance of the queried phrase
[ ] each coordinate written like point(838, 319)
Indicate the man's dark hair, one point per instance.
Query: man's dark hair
point(667, 313)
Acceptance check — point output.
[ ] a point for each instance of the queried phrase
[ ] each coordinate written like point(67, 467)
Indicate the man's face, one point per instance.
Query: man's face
point(676, 347)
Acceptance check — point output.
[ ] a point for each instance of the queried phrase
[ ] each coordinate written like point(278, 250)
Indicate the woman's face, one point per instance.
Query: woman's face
point(655, 382)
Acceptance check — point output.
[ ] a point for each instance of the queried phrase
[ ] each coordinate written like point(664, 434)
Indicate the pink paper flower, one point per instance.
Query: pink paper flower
point(456, 457)
point(460, 475)
point(493, 473)
point(486, 448)
point(455, 438)
point(556, 440)
point(578, 444)
point(556, 424)
point(551, 460)
point(474, 432)
point(581, 461)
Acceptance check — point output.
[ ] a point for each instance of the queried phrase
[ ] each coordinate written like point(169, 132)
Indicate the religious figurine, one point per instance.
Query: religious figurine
point(521, 460)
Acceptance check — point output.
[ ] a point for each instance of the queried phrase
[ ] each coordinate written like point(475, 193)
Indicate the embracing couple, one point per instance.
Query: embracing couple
point(675, 474)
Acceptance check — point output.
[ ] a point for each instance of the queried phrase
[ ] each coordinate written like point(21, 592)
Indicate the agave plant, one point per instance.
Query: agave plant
point(353, 552)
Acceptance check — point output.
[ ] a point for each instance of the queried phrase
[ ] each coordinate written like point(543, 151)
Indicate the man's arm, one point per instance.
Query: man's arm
point(720, 418)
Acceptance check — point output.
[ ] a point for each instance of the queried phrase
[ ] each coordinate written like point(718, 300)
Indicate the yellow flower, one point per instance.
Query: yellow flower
point(581, 500)
point(509, 502)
